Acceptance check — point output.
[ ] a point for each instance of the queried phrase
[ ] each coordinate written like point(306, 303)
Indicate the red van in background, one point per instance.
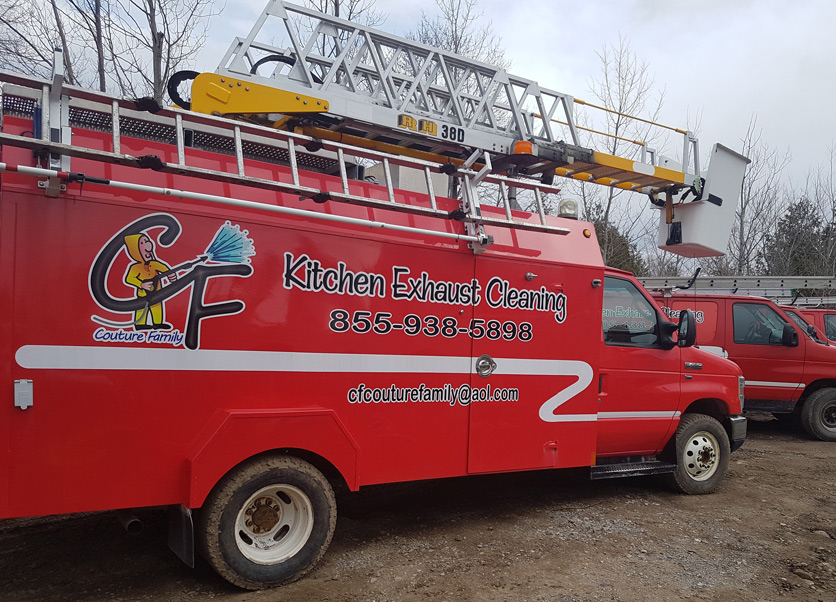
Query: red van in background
point(787, 371)
point(823, 319)
point(805, 323)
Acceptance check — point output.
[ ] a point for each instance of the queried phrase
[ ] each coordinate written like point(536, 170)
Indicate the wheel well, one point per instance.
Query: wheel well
point(715, 408)
point(812, 388)
point(240, 435)
point(710, 407)
point(330, 471)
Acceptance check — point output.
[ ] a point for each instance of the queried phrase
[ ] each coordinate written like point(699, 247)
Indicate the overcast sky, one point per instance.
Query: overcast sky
point(726, 60)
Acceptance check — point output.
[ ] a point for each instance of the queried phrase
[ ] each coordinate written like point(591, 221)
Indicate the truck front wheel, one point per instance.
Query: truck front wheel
point(818, 414)
point(267, 522)
point(702, 455)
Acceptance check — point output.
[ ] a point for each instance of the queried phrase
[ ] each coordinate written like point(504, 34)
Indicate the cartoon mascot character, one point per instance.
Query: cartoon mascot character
point(145, 274)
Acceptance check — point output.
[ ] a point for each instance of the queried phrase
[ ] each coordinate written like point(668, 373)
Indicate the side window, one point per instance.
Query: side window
point(628, 317)
point(757, 324)
point(801, 323)
point(830, 326)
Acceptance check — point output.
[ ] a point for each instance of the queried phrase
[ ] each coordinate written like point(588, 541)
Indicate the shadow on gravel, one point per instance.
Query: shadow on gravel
point(781, 425)
point(90, 557)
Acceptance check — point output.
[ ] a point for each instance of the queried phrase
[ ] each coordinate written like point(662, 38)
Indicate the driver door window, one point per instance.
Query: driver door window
point(628, 317)
point(757, 324)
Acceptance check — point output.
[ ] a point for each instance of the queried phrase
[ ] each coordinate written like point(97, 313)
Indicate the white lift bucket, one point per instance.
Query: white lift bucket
point(701, 228)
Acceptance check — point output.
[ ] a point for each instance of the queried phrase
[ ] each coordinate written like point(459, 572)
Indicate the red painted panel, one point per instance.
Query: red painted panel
point(131, 371)
point(537, 332)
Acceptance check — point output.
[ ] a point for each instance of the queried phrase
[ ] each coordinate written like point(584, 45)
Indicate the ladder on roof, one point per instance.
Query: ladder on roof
point(779, 288)
point(300, 68)
point(55, 108)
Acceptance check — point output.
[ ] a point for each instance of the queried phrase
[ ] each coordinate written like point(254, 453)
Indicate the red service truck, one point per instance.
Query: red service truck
point(805, 322)
point(823, 319)
point(789, 370)
point(213, 315)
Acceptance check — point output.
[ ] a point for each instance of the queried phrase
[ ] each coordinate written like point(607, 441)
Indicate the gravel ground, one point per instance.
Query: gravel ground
point(542, 537)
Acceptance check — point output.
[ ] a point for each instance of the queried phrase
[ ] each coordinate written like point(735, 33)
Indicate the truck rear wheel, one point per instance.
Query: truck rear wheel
point(818, 414)
point(702, 455)
point(267, 522)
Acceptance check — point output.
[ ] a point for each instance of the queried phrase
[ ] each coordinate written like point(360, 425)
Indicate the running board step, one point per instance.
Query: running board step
point(630, 469)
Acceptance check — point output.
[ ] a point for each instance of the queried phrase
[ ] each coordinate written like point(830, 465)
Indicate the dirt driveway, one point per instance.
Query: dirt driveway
point(545, 536)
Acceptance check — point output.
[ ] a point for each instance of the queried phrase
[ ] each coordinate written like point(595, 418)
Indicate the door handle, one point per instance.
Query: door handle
point(485, 365)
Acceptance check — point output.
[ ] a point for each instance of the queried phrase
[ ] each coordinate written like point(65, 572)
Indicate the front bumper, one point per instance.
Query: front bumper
point(737, 432)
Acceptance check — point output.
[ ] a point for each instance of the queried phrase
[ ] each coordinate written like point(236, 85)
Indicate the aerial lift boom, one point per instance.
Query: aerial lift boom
point(333, 79)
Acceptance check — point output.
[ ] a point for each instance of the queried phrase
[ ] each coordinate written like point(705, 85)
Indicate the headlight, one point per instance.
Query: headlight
point(741, 385)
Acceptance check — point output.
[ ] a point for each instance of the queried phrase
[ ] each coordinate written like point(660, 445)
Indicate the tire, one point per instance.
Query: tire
point(702, 451)
point(267, 522)
point(818, 414)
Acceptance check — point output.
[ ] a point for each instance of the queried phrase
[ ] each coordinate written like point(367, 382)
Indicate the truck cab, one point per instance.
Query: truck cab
point(806, 324)
point(823, 319)
point(649, 380)
point(786, 370)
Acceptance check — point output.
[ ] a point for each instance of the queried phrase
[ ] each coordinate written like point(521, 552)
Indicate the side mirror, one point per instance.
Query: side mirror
point(687, 331)
point(666, 330)
point(789, 338)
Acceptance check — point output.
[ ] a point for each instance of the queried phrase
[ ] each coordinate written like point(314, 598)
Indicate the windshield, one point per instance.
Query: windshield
point(803, 324)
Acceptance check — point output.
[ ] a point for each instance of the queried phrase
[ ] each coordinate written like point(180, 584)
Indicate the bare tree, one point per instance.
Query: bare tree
point(148, 40)
point(87, 15)
point(136, 45)
point(459, 27)
point(664, 263)
point(29, 32)
point(359, 11)
point(760, 200)
point(823, 193)
point(626, 88)
point(801, 241)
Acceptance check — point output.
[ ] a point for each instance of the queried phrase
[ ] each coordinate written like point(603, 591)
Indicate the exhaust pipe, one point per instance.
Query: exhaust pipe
point(129, 521)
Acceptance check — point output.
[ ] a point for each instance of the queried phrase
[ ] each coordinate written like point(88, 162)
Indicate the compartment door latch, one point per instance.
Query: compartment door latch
point(24, 395)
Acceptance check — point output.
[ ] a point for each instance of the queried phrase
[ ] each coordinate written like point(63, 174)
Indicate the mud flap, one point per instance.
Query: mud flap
point(181, 533)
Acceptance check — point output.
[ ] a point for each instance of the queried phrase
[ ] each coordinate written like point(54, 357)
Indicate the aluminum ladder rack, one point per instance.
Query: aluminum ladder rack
point(782, 288)
point(58, 107)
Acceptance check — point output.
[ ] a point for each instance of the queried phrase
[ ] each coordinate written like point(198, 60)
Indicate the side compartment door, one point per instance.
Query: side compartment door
point(773, 372)
point(536, 408)
point(640, 382)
